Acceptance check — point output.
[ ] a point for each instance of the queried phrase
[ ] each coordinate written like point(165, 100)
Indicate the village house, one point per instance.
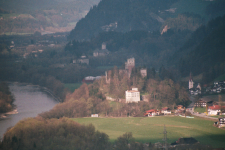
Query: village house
point(200, 103)
point(215, 109)
point(82, 60)
point(94, 115)
point(180, 109)
point(152, 112)
point(132, 95)
point(221, 122)
point(166, 111)
point(102, 52)
point(90, 79)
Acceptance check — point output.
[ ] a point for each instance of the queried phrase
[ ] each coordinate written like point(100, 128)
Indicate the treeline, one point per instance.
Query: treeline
point(37, 133)
point(6, 98)
point(58, 134)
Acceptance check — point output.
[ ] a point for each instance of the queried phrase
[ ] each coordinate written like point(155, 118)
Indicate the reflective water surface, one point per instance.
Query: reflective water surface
point(30, 101)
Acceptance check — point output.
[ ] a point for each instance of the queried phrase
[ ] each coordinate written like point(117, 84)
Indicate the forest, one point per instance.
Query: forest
point(204, 51)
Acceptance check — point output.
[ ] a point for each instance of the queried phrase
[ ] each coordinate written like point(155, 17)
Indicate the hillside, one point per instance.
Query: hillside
point(204, 51)
point(123, 16)
point(26, 16)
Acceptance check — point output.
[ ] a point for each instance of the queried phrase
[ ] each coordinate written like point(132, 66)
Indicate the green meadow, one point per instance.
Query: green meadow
point(150, 129)
point(72, 86)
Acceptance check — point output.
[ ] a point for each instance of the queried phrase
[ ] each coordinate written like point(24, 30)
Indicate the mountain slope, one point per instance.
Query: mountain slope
point(122, 16)
point(205, 50)
point(148, 15)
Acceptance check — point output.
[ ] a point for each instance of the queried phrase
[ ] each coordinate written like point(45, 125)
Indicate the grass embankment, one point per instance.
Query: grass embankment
point(146, 129)
point(200, 110)
point(72, 86)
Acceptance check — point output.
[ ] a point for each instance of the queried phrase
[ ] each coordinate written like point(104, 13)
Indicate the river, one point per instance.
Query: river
point(30, 101)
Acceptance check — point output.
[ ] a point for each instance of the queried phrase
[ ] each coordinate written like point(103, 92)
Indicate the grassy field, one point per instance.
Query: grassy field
point(146, 129)
point(72, 86)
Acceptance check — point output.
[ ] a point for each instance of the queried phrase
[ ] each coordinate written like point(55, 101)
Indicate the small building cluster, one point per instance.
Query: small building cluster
point(82, 60)
point(216, 110)
point(192, 89)
point(90, 79)
point(212, 108)
point(156, 112)
point(217, 87)
point(110, 27)
point(101, 52)
point(220, 123)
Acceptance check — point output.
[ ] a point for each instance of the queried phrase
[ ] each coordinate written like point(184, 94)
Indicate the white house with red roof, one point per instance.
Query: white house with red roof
point(166, 111)
point(152, 112)
point(215, 109)
point(132, 95)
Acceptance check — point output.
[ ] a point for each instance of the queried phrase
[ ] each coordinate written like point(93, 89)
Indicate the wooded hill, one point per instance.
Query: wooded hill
point(148, 15)
point(204, 52)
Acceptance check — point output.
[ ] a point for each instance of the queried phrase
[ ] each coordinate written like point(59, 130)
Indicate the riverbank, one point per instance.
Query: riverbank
point(29, 101)
point(4, 115)
point(44, 89)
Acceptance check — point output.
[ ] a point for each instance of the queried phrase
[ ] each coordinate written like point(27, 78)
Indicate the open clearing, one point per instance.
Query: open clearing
point(150, 129)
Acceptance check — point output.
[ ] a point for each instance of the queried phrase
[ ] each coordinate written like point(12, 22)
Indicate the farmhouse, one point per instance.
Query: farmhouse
point(102, 52)
point(151, 113)
point(132, 95)
point(215, 109)
point(221, 122)
point(166, 111)
point(200, 103)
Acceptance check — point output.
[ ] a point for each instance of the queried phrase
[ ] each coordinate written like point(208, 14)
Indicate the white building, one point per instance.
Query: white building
point(132, 95)
point(143, 72)
point(191, 83)
point(214, 110)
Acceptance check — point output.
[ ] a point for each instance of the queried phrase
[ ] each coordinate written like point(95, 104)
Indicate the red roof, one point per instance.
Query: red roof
point(165, 108)
point(215, 107)
point(151, 110)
